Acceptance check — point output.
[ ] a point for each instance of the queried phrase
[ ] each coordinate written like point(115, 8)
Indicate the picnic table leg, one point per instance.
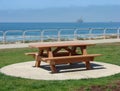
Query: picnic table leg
point(38, 61)
point(53, 68)
point(88, 66)
point(52, 65)
point(83, 50)
point(37, 58)
point(74, 50)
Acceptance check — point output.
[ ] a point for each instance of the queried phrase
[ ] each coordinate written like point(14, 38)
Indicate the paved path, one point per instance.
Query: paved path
point(75, 71)
point(21, 45)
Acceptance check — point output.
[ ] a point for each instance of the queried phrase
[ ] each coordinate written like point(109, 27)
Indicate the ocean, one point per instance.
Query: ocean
point(37, 26)
point(33, 31)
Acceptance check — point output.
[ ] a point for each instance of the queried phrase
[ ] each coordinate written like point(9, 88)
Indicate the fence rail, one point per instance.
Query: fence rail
point(12, 36)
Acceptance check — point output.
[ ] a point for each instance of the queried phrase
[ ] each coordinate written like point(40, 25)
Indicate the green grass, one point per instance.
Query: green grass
point(111, 54)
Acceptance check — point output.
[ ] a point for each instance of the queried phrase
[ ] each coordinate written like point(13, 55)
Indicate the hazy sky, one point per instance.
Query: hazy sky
point(59, 10)
point(38, 4)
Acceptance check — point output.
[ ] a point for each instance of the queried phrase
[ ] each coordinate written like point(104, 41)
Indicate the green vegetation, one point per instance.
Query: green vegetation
point(111, 54)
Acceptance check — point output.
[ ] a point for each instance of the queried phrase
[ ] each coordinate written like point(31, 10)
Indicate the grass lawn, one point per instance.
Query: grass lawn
point(111, 54)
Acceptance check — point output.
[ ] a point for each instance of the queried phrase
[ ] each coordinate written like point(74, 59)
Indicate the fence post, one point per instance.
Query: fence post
point(24, 36)
point(4, 37)
point(104, 34)
point(42, 35)
point(75, 34)
point(118, 33)
point(90, 33)
point(59, 34)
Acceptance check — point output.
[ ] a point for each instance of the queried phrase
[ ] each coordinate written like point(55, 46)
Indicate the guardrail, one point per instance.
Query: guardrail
point(30, 35)
point(12, 35)
point(49, 34)
point(21, 36)
point(1, 36)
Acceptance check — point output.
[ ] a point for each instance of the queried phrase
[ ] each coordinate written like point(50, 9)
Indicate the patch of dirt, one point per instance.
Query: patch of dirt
point(110, 87)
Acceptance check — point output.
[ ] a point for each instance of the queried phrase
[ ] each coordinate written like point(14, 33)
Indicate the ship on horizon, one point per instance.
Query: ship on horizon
point(80, 20)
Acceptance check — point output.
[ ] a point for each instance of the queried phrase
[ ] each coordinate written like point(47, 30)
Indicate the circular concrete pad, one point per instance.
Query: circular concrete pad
point(74, 71)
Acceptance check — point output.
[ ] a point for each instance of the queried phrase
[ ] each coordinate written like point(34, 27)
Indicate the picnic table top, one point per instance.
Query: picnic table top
point(59, 44)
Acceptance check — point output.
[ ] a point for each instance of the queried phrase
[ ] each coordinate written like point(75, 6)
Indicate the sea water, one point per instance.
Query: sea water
point(35, 29)
point(36, 26)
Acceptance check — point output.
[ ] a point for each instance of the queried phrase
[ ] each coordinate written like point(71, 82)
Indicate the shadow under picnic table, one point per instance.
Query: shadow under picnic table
point(73, 67)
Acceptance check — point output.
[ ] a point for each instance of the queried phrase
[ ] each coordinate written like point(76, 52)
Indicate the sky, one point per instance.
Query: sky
point(59, 10)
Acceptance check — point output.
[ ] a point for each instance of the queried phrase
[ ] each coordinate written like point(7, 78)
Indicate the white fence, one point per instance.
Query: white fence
point(12, 36)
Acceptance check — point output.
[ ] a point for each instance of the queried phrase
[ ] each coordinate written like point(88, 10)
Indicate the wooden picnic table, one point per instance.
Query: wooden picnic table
point(62, 53)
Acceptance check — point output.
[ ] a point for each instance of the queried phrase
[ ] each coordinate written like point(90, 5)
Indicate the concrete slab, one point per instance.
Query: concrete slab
point(74, 71)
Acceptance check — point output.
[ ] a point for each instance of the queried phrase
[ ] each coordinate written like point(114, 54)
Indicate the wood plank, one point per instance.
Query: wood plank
point(72, 57)
point(59, 44)
point(72, 60)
